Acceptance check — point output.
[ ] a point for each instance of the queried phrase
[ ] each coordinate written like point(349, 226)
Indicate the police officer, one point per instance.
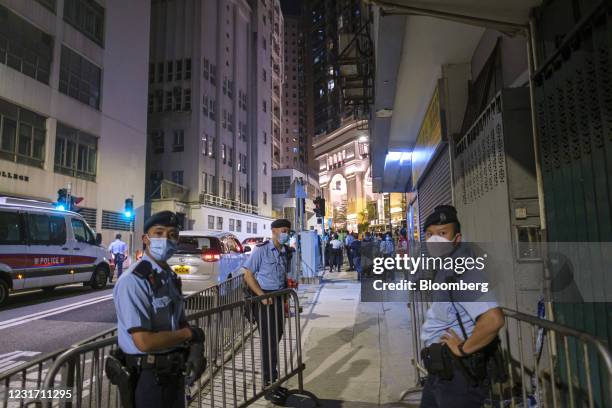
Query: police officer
point(265, 271)
point(460, 329)
point(152, 329)
point(118, 250)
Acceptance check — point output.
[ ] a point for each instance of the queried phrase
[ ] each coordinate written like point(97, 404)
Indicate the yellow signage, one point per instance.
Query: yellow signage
point(428, 139)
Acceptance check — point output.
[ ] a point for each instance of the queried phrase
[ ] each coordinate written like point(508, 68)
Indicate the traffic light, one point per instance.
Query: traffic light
point(128, 210)
point(62, 203)
point(319, 207)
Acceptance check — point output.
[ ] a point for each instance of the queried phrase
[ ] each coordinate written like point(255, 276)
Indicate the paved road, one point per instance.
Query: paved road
point(37, 322)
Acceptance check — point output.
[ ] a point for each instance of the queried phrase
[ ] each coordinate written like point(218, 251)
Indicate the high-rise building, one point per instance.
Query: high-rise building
point(277, 74)
point(294, 148)
point(73, 104)
point(213, 65)
point(338, 63)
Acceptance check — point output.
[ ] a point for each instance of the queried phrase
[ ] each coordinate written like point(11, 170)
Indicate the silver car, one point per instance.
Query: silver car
point(204, 259)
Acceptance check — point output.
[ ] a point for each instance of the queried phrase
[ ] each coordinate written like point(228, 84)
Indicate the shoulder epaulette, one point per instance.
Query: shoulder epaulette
point(143, 270)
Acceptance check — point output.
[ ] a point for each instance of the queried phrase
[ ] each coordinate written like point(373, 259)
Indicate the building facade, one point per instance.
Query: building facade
point(283, 200)
point(66, 118)
point(211, 110)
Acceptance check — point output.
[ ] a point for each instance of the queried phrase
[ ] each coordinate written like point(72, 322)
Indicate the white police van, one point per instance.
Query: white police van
point(41, 248)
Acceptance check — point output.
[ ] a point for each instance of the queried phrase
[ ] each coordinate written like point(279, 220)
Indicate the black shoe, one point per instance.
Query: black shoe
point(277, 396)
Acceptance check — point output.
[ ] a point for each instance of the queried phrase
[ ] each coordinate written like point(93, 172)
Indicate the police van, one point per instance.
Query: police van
point(42, 247)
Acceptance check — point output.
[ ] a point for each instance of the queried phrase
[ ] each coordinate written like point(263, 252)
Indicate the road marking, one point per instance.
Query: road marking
point(40, 315)
point(9, 360)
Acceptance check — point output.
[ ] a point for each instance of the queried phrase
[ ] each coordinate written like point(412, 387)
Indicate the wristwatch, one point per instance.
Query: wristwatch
point(460, 347)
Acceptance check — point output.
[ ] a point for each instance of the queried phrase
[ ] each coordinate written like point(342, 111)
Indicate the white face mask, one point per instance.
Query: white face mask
point(438, 246)
point(161, 249)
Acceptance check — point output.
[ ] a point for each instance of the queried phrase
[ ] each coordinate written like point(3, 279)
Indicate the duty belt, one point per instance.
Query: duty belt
point(173, 361)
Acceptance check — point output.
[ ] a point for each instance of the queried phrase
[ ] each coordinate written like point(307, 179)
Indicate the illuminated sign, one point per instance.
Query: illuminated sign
point(428, 139)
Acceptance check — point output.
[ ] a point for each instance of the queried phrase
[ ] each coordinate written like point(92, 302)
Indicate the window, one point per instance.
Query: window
point(168, 107)
point(46, 229)
point(265, 168)
point(231, 224)
point(23, 134)
point(79, 78)
point(187, 100)
point(87, 16)
point(24, 47)
point(81, 232)
point(219, 223)
point(211, 145)
point(280, 184)
point(255, 227)
point(212, 109)
point(265, 75)
point(265, 197)
point(265, 106)
point(75, 153)
point(179, 70)
point(223, 153)
point(169, 73)
point(265, 137)
point(248, 229)
point(178, 99)
point(211, 222)
point(238, 225)
point(230, 161)
point(157, 141)
point(230, 89)
point(224, 85)
point(213, 73)
point(179, 141)
point(11, 228)
point(177, 177)
point(188, 68)
point(224, 122)
point(159, 100)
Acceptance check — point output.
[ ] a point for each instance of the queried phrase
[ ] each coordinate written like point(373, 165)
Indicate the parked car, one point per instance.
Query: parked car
point(205, 258)
point(41, 248)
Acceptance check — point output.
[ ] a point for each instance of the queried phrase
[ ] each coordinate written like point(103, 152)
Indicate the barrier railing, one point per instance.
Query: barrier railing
point(251, 348)
point(547, 364)
point(30, 375)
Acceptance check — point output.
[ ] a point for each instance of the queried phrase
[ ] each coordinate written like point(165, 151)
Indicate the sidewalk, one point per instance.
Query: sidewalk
point(356, 354)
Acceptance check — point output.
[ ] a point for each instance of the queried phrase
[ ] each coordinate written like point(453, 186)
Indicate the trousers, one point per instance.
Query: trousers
point(270, 321)
point(119, 258)
point(460, 392)
point(149, 394)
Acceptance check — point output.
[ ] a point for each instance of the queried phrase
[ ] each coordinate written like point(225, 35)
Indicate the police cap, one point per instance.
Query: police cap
point(163, 218)
point(442, 215)
point(281, 223)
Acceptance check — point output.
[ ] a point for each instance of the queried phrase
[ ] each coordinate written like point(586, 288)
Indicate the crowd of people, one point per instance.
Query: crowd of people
point(355, 246)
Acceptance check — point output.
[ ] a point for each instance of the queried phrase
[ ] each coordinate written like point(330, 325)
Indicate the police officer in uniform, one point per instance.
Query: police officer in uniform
point(265, 271)
point(460, 329)
point(153, 333)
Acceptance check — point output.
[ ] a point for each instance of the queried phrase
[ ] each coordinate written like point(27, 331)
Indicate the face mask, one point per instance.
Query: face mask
point(283, 237)
point(438, 246)
point(161, 249)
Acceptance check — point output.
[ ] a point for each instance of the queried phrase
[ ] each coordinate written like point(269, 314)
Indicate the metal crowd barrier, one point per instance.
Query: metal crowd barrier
point(547, 364)
point(30, 375)
point(234, 348)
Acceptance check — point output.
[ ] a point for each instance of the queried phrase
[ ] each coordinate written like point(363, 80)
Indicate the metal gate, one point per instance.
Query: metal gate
point(435, 187)
point(573, 96)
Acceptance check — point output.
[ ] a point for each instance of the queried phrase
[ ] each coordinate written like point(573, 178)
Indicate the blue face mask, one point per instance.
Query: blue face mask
point(283, 237)
point(161, 249)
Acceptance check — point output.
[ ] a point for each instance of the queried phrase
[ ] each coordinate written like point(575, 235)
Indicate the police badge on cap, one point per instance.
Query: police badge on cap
point(163, 218)
point(442, 215)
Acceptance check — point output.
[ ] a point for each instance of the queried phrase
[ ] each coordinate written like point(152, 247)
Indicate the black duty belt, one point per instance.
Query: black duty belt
point(173, 361)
